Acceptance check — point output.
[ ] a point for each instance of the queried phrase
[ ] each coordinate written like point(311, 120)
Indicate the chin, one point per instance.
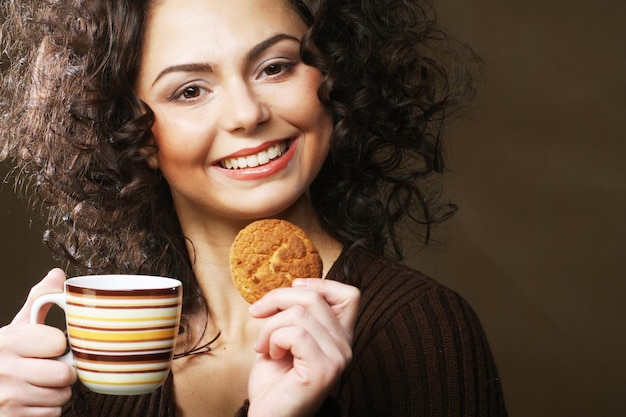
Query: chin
point(272, 208)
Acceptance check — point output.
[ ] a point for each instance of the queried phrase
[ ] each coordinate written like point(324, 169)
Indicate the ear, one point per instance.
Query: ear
point(153, 159)
point(151, 152)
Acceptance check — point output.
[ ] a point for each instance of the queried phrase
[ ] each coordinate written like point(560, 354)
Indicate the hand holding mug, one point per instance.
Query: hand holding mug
point(32, 383)
point(122, 329)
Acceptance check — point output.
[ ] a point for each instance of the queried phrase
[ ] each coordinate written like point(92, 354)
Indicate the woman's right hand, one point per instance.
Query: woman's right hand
point(32, 382)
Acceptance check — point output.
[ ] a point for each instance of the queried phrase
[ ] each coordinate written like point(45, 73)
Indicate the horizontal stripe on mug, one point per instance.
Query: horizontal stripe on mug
point(103, 329)
point(122, 306)
point(103, 357)
point(124, 370)
point(72, 318)
point(120, 329)
point(94, 380)
point(94, 325)
point(122, 336)
point(140, 292)
point(166, 350)
point(117, 346)
point(131, 298)
point(115, 325)
point(105, 345)
point(124, 316)
point(113, 345)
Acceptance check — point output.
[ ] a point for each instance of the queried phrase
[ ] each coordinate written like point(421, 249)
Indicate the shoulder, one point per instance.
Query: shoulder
point(396, 299)
point(419, 349)
point(391, 291)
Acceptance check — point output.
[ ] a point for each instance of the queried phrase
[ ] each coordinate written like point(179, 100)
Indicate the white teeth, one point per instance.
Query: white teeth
point(263, 158)
point(251, 161)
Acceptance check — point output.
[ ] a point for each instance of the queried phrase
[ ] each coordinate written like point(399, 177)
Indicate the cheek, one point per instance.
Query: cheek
point(302, 100)
point(178, 145)
point(308, 112)
point(326, 133)
point(182, 135)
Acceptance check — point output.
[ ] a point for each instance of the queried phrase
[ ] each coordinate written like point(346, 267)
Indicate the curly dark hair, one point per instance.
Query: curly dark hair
point(392, 79)
point(78, 135)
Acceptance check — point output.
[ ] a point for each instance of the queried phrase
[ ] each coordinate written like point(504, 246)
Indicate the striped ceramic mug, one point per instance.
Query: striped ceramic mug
point(121, 328)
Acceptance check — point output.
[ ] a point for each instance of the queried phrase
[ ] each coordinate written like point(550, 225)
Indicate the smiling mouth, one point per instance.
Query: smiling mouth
point(261, 158)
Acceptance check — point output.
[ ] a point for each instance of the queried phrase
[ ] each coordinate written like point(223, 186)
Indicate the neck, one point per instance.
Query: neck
point(209, 244)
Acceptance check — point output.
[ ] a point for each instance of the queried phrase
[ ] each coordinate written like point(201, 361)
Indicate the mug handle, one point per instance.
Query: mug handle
point(52, 298)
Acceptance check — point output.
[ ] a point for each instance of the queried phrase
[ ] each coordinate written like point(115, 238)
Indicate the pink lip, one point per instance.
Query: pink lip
point(261, 171)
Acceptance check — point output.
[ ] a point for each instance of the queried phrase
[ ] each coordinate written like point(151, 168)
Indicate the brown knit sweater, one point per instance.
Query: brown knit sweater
point(419, 350)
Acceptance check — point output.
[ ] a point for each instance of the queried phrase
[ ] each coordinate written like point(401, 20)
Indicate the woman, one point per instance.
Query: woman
point(154, 131)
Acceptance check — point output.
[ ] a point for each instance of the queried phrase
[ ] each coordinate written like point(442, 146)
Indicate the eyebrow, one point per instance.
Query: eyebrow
point(253, 53)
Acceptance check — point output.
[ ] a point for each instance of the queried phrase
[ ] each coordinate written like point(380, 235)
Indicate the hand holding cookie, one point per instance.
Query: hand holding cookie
point(305, 341)
point(303, 347)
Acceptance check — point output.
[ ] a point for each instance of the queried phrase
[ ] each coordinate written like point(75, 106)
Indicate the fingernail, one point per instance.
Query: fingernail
point(255, 307)
point(300, 282)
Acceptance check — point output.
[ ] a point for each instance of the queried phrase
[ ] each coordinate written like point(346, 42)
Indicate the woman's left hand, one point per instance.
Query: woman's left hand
point(303, 346)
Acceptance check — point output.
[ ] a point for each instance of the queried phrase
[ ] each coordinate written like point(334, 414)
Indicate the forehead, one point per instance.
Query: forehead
point(194, 29)
point(169, 15)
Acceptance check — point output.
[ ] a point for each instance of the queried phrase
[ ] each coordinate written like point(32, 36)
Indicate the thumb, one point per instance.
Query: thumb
point(51, 283)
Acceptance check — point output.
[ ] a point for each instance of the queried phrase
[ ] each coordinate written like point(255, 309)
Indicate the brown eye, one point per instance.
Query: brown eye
point(279, 68)
point(273, 69)
point(191, 92)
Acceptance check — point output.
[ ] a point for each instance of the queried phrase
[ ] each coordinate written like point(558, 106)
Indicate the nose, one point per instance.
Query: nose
point(243, 108)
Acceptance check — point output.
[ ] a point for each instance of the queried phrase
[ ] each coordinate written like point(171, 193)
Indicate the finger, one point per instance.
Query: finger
point(42, 412)
point(331, 301)
point(343, 299)
point(20, 392)
point(301, 303)
point(47, 373)
point(285, 339)
point(53, 282)
point(310, 362)
point(330, 338)
point(26, 341)
point(12, 410)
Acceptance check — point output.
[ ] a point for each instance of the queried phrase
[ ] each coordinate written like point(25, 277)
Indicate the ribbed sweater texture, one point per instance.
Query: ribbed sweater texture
point(418, 350)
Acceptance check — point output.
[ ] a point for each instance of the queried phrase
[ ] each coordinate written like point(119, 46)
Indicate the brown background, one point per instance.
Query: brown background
point(537, 169)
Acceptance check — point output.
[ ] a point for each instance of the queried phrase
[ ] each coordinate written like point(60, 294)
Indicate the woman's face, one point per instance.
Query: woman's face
point(239, 128)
